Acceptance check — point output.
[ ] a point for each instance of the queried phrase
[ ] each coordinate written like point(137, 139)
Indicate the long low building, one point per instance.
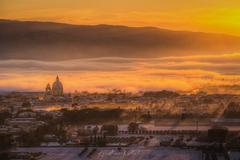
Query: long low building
point(25, 124)
point(9, 130)
point(228, 122)
point(177, 127)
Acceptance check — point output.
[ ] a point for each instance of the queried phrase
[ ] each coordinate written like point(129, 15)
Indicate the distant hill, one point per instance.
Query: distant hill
point(56, 41)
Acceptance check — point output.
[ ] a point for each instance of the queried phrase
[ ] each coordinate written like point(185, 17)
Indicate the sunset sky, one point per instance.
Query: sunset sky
point(220, 16)
point(213, 72)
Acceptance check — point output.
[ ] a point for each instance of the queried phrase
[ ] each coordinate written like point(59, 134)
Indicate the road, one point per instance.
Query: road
point(109, 153)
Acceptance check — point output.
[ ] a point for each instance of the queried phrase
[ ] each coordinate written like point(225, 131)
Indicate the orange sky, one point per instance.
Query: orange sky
point(221, 16)
point(177, 73)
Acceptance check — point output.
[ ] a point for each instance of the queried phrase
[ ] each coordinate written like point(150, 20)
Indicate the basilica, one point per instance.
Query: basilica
point(56, 89)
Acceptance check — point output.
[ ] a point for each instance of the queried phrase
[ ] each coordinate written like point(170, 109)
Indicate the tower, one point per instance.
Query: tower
point(48, 90)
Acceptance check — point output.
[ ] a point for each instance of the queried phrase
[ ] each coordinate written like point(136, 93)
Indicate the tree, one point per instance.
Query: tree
point(217, 134)
point(4, 116)
point(133, 127)
point(5, 142)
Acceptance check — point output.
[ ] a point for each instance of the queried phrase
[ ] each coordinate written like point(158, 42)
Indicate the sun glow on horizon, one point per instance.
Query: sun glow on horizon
point(200, 15)
point(133, 74)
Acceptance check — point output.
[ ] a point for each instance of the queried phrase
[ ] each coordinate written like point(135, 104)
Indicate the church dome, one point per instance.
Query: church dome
point(57, 88)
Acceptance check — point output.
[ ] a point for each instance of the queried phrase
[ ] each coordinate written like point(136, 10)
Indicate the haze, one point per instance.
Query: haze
point(101, 45)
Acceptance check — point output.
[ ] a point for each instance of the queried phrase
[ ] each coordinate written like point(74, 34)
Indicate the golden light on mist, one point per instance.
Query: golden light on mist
point(186, 73)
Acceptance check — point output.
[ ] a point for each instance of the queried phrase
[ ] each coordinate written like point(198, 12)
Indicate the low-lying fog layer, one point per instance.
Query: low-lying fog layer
point(214, 73)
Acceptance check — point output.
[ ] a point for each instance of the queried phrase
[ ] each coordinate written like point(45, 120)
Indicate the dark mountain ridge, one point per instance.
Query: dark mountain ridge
point(58, 41)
